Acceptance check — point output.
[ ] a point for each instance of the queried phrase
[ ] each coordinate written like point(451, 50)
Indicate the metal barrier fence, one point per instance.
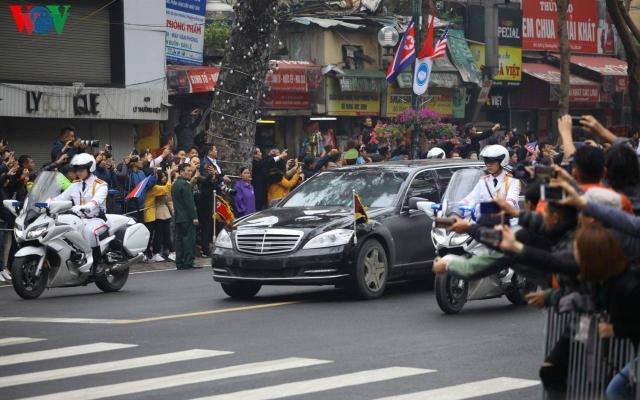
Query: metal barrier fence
point(593, 361)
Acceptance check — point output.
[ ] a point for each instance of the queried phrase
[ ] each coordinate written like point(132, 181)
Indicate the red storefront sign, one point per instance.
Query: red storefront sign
point(587, 32)
point(581, 90)
point(288, 76)
point(286, 100)
point(203, 79)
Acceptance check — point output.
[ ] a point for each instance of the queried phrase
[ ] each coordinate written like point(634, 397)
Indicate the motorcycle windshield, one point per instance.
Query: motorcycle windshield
point(46, 187)
point(461, 184)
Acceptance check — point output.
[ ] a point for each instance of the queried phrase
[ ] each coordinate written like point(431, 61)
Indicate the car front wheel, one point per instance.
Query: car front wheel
point(241, 290)
point(372, 269)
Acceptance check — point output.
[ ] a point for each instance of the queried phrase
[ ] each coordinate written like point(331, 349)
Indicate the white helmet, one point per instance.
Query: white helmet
point(83, 160)
point(495, 153)
point(436, 152)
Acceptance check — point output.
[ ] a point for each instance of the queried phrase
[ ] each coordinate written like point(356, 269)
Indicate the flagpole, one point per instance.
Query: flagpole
point(215, 214)
point(415, 99)
point(355, 222)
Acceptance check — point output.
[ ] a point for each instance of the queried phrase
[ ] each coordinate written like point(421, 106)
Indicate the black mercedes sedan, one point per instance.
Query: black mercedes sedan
point(307, 238)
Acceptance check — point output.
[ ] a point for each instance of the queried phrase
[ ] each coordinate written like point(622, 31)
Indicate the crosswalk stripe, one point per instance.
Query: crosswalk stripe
point(320, 384)
point(61, 352)
point(110, 366)
point(468, 390)
point(10, 341)
point(127, 388)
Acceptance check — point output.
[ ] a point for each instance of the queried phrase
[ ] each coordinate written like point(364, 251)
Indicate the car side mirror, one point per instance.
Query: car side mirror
point(427, 207)
point(412, 203)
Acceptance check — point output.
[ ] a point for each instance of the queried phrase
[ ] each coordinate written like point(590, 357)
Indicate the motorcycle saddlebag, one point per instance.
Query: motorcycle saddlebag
point(136, 239)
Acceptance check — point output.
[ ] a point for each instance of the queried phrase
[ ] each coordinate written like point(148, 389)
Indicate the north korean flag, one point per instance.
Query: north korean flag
point(405, 54)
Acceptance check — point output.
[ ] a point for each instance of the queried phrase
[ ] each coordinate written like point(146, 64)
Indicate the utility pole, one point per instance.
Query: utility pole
point(491, 62)
point(415, 99)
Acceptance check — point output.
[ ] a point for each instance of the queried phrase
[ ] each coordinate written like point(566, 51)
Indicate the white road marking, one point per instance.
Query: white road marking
point(468, 390)
point(127, 388)
point(64, 320)
point(110, 366)
point(10, 341)
point(62, 352)
point(320, 384)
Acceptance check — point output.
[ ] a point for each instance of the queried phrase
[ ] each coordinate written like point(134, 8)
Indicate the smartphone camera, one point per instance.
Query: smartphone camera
point(545, 172)
point(548, 193)
point(490, 237)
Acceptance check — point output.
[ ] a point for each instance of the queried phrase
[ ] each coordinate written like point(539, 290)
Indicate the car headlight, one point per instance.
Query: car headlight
point(336, 237)
point(224, 240)
point(37, 231)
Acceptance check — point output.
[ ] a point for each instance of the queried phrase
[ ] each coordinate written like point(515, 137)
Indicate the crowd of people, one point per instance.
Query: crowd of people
point(582, 246)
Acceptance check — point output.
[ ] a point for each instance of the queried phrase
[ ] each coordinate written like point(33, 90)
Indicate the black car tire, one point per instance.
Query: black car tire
point(449, 301)
point(367, 283)
point(241, 290)
point(23, 278)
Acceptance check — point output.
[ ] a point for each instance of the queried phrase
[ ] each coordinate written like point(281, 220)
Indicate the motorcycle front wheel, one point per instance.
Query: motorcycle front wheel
point(114, 281)
point(25, 282)
point(520, 287)
point(451, 293)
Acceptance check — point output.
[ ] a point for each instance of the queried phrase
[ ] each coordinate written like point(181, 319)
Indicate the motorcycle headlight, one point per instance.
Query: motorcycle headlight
point(224, 240)
point(336, 237)
point(458, 239)
point(37, 231)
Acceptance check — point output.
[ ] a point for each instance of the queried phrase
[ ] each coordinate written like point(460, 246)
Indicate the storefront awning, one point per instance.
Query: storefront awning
point(611, 71)
point(357, 80)
point(582, 90)
point(463, 58)
point(185, 79)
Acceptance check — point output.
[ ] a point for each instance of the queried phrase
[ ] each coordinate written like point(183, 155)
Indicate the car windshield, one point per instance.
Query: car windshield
point(461, 184)
point(47, 186)
point(376, 188)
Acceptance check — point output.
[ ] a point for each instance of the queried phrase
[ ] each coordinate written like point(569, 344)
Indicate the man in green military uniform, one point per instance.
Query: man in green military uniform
point(186, 218)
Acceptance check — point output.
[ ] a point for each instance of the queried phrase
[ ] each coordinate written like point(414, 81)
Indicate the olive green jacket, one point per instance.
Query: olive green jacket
point(183, 203)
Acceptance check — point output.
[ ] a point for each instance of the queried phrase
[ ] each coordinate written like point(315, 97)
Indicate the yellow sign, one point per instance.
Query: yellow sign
point(509, 60)
point(350, 104)
point(437, 99)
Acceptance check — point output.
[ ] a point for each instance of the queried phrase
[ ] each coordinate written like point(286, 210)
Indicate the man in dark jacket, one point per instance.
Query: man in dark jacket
point(212, 177)
point(67, 144)
point(260, 167)
point(473, 138)
point(186, 218)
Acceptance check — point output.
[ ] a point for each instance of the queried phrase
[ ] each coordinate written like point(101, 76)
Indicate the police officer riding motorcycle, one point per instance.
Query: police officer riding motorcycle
point(88, 195)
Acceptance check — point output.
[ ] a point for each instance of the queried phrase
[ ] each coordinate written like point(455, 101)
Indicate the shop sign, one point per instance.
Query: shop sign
point(41, 20)
point(587, 26)
point(397, 100)
point(290, 76)
point(509, 30)
point(286, 100)
point(578, 93)
point(459, 102)
point(509, 63)
point(350, 104)
point(37, 101)
point(185, 31)
point(496, 100)
point(440, 101)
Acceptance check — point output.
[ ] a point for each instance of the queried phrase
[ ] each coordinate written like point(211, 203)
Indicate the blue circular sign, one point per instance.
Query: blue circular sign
point(422, 73)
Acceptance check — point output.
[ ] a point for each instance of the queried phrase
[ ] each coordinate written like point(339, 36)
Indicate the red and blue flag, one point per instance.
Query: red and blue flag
point(405, 54)
point(141, 188)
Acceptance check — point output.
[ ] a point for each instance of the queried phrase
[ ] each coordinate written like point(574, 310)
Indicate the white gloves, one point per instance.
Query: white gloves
point(77, 210)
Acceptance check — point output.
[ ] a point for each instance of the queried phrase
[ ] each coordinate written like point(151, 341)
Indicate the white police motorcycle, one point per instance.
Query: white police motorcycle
point(453, 292)
point(52, 252)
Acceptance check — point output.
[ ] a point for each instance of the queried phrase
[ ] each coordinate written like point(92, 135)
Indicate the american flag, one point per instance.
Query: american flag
point(441, 47)
point(531, 148)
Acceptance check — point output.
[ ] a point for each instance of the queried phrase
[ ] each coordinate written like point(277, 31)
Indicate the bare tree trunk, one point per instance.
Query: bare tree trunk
point(619, 16)
point(234, 110)
point(565, 57)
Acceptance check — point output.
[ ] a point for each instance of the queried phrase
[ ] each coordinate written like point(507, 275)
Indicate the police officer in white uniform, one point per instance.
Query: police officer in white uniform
point(499, 182)
point(88, 195)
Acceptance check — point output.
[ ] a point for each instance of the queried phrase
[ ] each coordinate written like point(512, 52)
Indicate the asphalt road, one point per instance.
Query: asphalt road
point(175, 335)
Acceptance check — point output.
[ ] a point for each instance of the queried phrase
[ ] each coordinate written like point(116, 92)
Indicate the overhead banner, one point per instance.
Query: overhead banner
point(350, 104)
point(187, 79)
point(588, 26)
point(185, 31)
point(509, 64)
